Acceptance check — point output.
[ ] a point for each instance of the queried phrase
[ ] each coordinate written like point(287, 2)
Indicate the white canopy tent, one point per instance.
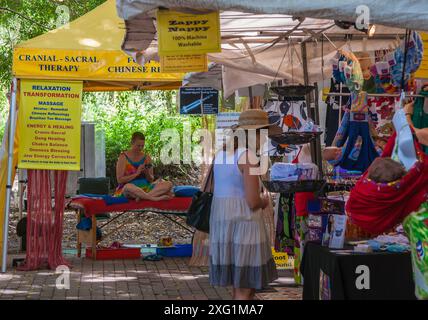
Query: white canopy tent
point(410, 14)
point(261, 48)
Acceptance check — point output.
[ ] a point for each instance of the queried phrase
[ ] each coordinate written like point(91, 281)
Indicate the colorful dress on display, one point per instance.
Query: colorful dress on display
point(284, 235)
point(354, 136)
point(141, 182)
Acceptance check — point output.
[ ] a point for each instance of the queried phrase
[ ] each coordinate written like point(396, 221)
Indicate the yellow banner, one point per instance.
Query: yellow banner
point(184, 63)
point(183, 33)
point(49, 127)
point(85, 65)
point(282, 260)
point(423, 69)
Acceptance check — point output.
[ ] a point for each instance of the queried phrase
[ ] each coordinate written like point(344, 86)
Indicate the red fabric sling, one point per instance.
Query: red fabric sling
point(377, 208)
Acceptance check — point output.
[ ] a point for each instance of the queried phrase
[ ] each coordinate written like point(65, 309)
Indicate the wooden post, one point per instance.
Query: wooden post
point(250, 94)
point(94, 237)
point(318, 139)
point(79, 241)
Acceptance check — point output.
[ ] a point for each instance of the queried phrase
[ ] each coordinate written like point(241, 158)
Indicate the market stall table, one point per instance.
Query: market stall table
point(90, 208)
point(356, 276)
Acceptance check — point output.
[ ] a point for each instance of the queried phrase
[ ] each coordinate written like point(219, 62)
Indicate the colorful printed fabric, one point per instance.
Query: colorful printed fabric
point(300, 233)
point(284, 236)
point(416, 227)
point(413, 61)
point(353, 136)
point(141, 182)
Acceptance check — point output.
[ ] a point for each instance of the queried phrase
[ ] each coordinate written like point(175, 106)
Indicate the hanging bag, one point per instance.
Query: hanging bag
point(198, 215)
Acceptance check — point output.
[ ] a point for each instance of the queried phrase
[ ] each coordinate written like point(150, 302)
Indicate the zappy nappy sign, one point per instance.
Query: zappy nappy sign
point(49, 125)
point(183, 33)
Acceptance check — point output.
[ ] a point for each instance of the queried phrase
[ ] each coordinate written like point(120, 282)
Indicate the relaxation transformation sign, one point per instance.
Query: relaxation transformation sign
point(184, 33)
point(49, 125)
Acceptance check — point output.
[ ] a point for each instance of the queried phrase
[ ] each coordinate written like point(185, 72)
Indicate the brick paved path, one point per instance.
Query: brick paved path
point(170, 278)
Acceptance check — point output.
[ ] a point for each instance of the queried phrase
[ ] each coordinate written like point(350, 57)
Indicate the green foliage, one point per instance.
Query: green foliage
point(119, 114)
point(21, 20)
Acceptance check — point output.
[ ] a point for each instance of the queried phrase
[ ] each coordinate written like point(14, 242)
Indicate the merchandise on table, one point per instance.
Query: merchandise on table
point(334, 232)
point(293, 172)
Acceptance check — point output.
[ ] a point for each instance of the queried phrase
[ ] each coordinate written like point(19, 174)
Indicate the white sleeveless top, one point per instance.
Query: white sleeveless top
point(228, 179)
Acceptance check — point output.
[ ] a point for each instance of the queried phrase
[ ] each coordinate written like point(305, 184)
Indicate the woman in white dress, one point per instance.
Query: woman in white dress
point(240, 251)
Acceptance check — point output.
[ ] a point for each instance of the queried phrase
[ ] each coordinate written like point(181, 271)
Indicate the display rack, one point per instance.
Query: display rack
point(295, 137)
point(277, 186)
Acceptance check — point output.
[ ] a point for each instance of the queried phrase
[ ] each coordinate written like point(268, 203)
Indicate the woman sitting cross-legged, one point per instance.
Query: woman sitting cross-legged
point(134, 172)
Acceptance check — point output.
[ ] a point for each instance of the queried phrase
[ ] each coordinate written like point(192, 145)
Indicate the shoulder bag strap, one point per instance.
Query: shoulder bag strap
point(208, 183)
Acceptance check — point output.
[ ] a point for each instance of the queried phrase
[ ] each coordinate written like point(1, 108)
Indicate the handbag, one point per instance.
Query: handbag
point(198, 215)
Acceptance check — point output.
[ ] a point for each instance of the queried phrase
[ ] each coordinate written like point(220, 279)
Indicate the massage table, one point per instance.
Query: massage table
point(90, 208)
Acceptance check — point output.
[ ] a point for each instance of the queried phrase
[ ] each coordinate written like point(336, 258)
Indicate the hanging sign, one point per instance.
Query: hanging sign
point(225, 120)
point(282, 260)
point(422, 72)
point(49, 126)
point(184, 33)
point(184, 63)
point(198, 100)
point(85, 64)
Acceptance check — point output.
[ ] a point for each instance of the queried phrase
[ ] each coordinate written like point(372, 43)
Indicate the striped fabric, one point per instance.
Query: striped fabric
point(240, 245)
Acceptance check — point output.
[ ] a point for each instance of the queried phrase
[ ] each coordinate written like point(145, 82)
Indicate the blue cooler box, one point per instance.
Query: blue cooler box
point(178, 250)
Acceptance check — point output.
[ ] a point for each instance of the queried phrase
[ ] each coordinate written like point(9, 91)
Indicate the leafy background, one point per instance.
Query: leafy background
point(117, 114)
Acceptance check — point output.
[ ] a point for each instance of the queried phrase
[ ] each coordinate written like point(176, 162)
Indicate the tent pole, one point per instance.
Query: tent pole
point(12, 127)
point(250, 93)
point(311, 112)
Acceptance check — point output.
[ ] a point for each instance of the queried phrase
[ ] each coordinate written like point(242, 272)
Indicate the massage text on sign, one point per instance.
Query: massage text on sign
point(183, 33)
point(49, 125)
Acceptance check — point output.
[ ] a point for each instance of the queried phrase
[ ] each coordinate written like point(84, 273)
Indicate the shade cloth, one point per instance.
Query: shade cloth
point(261, 42)
point(412, 14)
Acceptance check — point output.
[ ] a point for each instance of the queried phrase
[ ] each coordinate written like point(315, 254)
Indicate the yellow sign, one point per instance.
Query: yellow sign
point(85, 65)
point(282, 260)
point(49, 126)
point(184, 33)
point(184, 63)
point(423, 69)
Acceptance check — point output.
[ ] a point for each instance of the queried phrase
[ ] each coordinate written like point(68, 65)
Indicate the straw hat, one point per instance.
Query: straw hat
point(252, 119)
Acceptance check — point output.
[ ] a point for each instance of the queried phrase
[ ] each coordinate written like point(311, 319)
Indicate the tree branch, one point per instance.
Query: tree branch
point(24, 17)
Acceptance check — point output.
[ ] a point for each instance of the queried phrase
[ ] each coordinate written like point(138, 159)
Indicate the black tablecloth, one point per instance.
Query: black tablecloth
point(389, 275)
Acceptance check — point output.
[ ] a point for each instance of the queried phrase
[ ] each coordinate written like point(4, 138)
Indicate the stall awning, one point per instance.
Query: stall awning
point(89, 49)
point(263, 41)
point(411, 14)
